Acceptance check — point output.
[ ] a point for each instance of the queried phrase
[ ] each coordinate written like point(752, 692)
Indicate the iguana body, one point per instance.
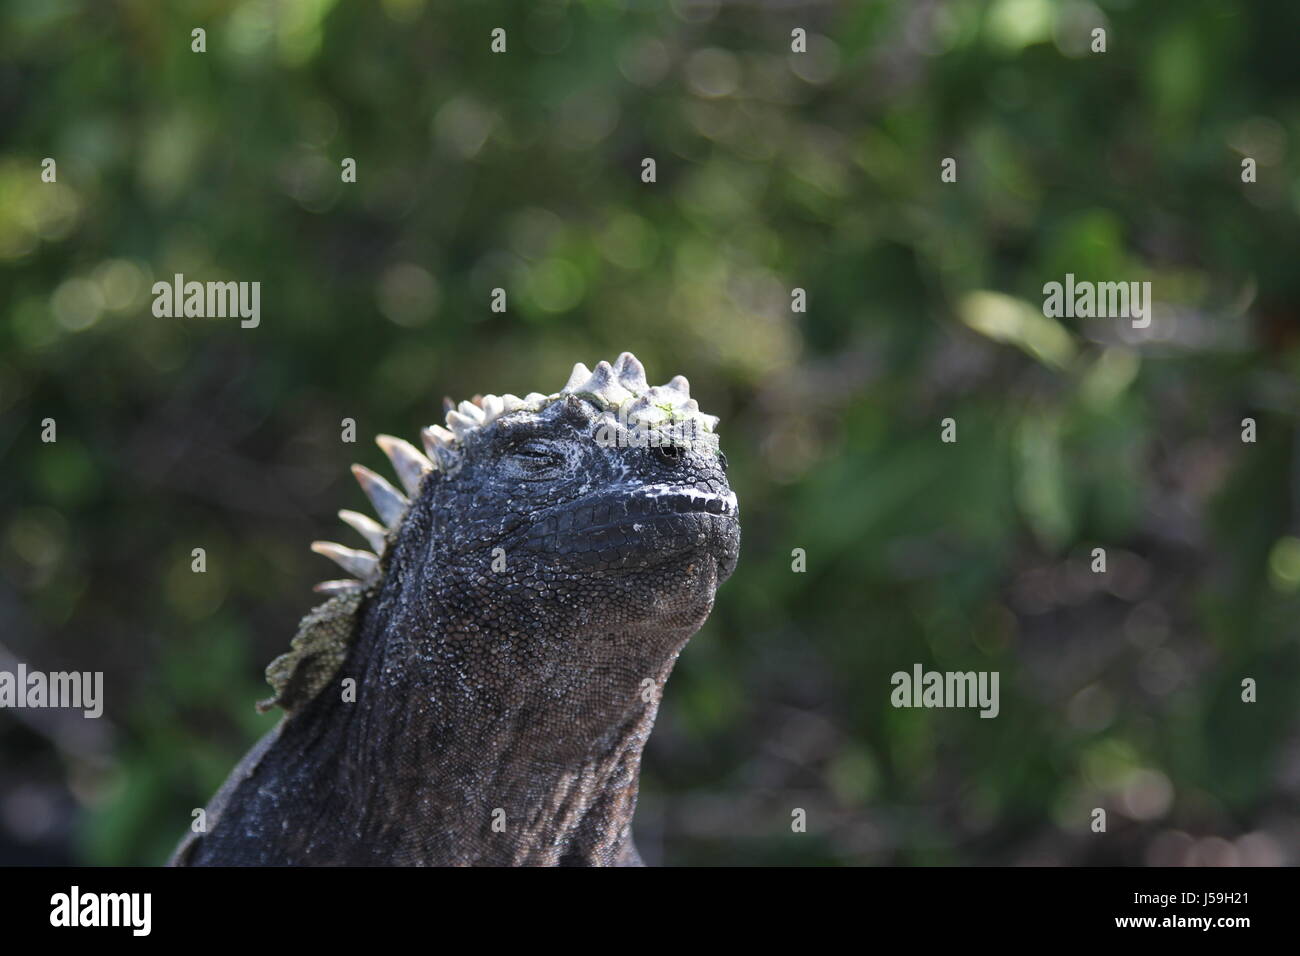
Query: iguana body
point(508, 640)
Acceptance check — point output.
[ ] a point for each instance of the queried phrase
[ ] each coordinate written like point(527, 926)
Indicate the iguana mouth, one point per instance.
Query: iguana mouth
point(641, 527)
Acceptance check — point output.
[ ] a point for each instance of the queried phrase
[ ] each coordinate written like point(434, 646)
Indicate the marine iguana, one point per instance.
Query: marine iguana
point(506, 639)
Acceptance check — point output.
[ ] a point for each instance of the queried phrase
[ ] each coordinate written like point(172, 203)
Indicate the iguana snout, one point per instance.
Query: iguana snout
point(639, 526)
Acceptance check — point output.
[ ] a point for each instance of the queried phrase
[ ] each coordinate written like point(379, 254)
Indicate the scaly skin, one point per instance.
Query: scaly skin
point(500, 715)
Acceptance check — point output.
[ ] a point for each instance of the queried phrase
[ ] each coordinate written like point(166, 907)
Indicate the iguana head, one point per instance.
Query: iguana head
point(505, 640)
point(601, 508)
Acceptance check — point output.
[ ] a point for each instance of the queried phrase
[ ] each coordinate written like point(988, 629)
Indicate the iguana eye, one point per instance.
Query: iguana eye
point(538, 454)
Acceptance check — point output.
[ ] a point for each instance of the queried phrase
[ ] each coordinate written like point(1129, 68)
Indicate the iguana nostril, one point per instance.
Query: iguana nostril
point(669, 454)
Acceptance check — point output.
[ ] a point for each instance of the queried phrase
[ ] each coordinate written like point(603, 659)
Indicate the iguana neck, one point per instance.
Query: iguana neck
point(490, 737)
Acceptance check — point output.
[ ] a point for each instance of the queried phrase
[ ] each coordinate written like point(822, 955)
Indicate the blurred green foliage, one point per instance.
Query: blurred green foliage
point(775, 170)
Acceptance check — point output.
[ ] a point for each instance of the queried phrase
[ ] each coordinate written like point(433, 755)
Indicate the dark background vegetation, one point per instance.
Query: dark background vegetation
point(775, 171)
